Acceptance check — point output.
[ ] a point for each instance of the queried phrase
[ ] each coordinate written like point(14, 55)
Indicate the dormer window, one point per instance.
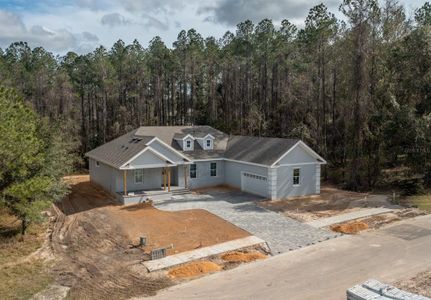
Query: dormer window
point(188, 144)
point(206, 142)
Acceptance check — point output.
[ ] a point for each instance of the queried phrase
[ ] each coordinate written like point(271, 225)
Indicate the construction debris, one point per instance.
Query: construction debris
point(373, 289)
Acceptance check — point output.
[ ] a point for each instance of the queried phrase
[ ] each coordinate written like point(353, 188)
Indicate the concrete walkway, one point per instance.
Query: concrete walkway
point(323, 271)
point(281, 233)
point(184, 257)
point(324, 222)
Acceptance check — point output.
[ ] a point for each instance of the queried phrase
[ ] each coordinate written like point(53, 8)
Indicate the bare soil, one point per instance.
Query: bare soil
point(377, 221)
point(194, 269)
point(185, 230)
point(350, 228)
point(242, 257)
point(330, 202)
point(94, 240)
point(420, 284)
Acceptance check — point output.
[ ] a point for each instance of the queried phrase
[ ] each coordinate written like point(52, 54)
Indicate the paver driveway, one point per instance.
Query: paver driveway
point(281, 233)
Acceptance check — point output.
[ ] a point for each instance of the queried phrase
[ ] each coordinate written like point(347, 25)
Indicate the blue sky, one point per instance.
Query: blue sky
point(82, 25)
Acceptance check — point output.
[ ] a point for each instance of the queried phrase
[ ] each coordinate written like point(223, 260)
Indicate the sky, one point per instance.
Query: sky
point(82, 25)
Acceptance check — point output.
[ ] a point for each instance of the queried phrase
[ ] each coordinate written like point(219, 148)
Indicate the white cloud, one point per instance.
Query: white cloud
point(13, 29)
point(114, 19)
point(10, 24)
point(232, 12)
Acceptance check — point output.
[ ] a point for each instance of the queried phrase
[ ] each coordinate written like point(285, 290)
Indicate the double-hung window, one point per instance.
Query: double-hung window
point(209, 144)
point(139, 176)
point(193, 171)
point(296, 176)
point(188, 144)
point(213, 169)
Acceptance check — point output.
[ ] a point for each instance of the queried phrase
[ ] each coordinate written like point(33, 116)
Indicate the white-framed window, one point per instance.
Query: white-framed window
point(97, 164)
point(188, 144)
point(193, 173)
point(139, 176)
point(296, 176)
point(255, 176)
point(213, 169)
point(209, 143)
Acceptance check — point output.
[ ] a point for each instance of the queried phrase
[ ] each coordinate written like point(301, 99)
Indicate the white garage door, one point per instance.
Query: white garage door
point(254, 184)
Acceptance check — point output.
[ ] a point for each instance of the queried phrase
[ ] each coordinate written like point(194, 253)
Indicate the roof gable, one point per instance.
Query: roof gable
point(167, 150)
point(148, 158)
point(116, 152)
point(299, 153)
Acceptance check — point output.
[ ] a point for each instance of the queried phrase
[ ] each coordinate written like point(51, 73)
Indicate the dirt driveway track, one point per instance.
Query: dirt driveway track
point(322, 271)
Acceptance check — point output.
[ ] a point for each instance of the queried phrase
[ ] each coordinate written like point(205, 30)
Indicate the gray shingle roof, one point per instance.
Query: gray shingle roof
point(259, 150)
point(118, 151)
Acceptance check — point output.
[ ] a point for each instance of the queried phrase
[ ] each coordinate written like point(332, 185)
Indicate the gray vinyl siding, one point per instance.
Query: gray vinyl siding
point(307, 186)
point(297, 155)
point(204, 178)
point(233, 172)
point(272, 183)
point(102, 175)
point(317, 178)
point(166, 152)
point(152, 180)
point(147, 158)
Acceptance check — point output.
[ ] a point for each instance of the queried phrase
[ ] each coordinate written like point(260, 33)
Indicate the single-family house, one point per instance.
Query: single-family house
point(153, 160)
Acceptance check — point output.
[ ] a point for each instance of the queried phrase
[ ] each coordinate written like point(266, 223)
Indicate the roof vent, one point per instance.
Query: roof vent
point(135, 140)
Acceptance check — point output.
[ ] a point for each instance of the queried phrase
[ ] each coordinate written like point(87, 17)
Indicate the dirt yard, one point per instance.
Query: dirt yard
point(186, 230)
point(420, 284)
point(330, 202)
point(93, 240)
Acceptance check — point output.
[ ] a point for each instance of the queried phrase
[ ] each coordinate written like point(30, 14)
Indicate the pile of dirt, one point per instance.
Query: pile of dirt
point(350, 228)
point(194, 269)
point(241, 257)
point(378, 221)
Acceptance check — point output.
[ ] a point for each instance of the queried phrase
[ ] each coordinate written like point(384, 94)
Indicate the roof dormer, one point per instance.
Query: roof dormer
point(186, 142)
point(206, 142)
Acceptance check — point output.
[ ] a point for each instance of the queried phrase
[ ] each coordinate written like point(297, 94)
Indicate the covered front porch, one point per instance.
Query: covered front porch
point(140, 184)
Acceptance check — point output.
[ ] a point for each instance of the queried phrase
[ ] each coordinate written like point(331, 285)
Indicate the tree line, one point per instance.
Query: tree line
point(358, 90)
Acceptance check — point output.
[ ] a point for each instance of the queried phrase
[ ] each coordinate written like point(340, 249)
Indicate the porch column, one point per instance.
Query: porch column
point(125, 182)
point(169, 179)
point(164, 179)
point(185, 176)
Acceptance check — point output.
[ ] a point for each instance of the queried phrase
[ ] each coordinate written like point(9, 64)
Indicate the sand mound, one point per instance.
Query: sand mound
point(350, 228)
point(242, 256)
point(194, 269)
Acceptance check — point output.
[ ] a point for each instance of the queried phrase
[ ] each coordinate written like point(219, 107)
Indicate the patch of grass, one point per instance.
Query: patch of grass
point(21, 280)
point(13, 246)
point(422, 202)
point(24, 280)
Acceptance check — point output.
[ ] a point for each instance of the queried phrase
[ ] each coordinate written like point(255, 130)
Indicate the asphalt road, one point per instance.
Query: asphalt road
point(322, 271)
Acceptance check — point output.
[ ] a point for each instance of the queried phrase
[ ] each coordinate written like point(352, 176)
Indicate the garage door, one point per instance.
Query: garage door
point(254, 184)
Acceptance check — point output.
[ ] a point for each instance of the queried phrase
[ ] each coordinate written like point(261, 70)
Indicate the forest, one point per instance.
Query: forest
point(357, 89)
